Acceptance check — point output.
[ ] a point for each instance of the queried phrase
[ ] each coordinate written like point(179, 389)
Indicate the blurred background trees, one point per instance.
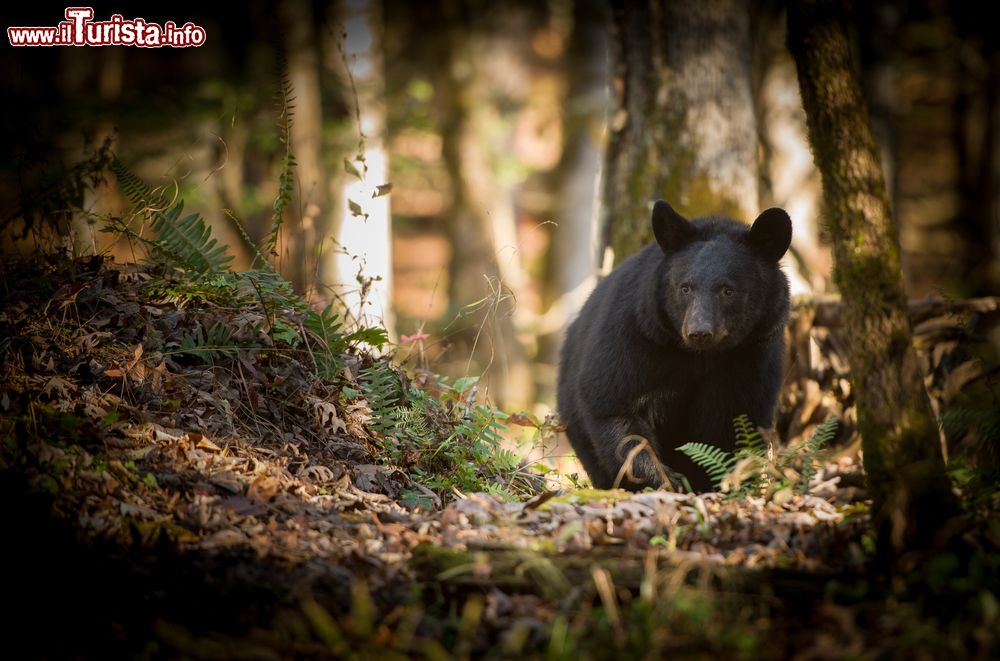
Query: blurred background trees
point(491, 122)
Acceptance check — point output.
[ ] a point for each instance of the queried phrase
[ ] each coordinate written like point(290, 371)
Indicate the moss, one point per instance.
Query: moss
point(894, 416)
point(578, 496)
point(701, 198)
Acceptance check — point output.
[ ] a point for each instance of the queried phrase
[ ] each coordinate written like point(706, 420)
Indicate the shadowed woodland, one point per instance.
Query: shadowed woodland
point(282, 313)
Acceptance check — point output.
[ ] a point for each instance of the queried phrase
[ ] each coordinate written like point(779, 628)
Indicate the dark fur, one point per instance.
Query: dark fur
point(647, 356)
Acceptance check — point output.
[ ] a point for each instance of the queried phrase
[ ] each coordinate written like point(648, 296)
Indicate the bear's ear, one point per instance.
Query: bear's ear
point(670, 228)
point(771, 234)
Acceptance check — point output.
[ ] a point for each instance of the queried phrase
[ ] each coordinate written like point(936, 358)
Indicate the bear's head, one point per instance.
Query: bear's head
point(720, 284)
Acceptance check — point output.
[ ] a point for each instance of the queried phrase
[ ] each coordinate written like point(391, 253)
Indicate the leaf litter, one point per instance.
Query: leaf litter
point(250, 463)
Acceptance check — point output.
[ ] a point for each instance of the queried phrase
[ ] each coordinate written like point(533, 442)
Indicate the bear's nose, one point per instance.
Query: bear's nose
point(699, 338)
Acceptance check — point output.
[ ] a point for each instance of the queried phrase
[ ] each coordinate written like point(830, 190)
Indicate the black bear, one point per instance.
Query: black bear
point(680, 339)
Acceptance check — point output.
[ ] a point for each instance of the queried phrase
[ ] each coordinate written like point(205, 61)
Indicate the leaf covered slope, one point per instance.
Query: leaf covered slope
point(173, 425)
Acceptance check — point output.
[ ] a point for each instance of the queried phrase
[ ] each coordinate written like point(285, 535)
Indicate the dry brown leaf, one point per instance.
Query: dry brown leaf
point(203, 443)
point(62, 387)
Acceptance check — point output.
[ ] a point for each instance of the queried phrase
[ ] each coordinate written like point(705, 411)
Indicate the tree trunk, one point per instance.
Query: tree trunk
point(361, 264)
point(911, 493)
point(683, 127)
point(574, 253)
point(484, 272)
point(311, 186)
point(571, 266)
point(788, 177)
point(933, 98)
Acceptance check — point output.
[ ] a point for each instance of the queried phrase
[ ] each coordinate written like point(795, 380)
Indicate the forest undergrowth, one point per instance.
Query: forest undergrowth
point(197, 462)
point(180, 481)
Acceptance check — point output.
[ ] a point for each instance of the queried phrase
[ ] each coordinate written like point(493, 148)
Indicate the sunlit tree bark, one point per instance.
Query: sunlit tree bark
point(683, 127)
point(363, 268)
point(911, 494)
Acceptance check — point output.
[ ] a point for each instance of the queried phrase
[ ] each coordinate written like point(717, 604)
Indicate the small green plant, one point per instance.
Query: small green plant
point(185, 244)
point(211, 346)
point(717, 462)
point(749, 468)
point(807, 449)
point(440, 433)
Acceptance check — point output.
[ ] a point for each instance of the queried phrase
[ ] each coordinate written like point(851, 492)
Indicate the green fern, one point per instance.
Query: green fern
point(375, 336)
point(189, 242)
point(273, 292)
point(444, 442)
point(821, 436)
point(286, 175)
point(717, 462)
point(135, 189)
point(412, 426)
point(185, 242)
point(325, 326)
point(749, 442)
point(216, 344)
point(384, 393)
point(481, 427)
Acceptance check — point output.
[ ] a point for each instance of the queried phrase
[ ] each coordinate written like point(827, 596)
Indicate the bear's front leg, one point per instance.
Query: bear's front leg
point(621, 439)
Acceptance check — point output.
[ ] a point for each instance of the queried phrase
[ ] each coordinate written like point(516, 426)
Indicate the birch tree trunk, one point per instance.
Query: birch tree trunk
point(363, 268)
point(911, 494)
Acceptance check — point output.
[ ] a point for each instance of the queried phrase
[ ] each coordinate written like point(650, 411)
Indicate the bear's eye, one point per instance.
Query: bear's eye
point(728, 291)
point(685, 288)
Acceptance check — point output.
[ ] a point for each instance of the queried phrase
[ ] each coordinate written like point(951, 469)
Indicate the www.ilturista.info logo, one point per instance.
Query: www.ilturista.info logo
point(79, 29)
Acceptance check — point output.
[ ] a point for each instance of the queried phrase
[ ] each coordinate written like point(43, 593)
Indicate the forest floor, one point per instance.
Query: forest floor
point(158, 504)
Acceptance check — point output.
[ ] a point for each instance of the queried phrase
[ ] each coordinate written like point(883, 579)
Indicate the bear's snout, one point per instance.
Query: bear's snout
point(700, 329)
point(700, 338)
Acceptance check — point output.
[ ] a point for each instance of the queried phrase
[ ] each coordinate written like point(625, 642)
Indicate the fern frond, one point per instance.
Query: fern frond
point(325, 326)
point(217, 343)
point(273, 291)
point(749, 442)
point(184, 243)
point(412, 424)
point(373, 335)
point(481, 426)
point(286, 175)
point(137, 191)
point(188, 242)
point(821, 436)
point(715, 461)
point(384, 393)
